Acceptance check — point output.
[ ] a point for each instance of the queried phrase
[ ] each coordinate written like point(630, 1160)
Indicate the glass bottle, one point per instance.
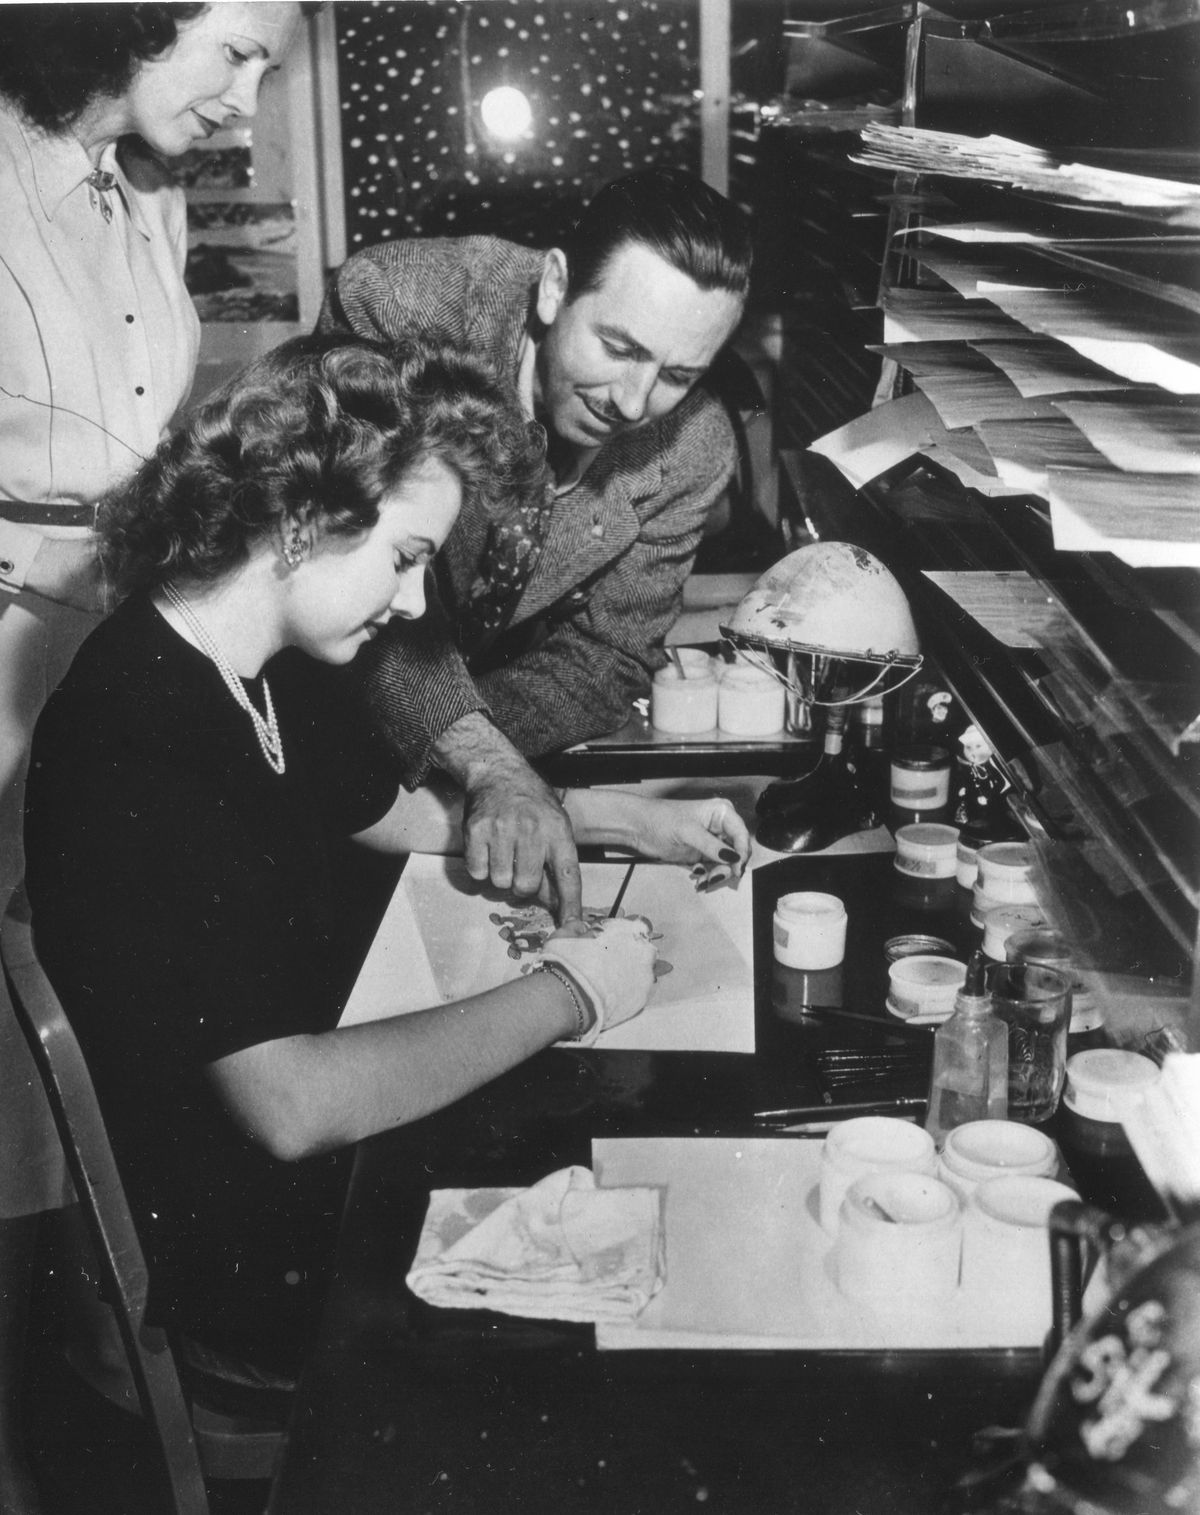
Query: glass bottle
point(970, 1060)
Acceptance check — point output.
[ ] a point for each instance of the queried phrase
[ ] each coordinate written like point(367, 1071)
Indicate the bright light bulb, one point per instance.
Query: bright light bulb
point(506, 113)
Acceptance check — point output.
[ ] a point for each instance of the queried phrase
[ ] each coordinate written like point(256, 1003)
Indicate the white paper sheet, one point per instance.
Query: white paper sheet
point(443, 938)
point(748, 1265)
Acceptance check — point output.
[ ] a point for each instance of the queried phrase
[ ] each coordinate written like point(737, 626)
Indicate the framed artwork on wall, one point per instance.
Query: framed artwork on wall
point(260, 232)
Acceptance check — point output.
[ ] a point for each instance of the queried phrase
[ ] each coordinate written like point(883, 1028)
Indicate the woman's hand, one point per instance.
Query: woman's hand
point(611, 966)
point(694, 831)
point(708, 832)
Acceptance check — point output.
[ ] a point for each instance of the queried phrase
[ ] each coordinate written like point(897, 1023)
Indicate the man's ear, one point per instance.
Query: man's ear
point(552, 286)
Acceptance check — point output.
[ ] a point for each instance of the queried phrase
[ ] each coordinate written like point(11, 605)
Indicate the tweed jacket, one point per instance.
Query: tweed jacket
point(588, 630)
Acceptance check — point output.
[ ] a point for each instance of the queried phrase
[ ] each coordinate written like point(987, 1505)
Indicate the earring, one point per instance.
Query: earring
point(296, 546)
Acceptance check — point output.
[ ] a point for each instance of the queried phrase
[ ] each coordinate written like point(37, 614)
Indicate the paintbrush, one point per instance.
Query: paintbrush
point(616, 904)
point(832, 1111)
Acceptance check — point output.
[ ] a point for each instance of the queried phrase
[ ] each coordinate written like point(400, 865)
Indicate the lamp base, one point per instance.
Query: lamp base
point(815, 810)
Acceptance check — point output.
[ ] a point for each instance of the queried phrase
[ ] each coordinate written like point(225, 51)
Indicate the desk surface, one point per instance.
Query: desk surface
point(408, 1408)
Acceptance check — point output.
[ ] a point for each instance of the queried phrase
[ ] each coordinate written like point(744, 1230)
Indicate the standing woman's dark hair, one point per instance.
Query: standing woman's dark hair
point(55, 59)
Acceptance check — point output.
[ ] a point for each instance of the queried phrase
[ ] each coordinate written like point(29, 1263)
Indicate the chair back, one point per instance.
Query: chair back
point(93, 1169)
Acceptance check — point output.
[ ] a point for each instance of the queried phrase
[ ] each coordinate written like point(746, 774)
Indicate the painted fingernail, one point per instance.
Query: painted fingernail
point(728, 855)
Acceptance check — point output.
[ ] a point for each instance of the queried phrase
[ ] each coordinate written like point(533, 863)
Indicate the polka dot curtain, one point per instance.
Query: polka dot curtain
point(610, 85)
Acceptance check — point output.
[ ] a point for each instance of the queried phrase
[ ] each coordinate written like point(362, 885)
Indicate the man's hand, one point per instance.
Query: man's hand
point(515, 832)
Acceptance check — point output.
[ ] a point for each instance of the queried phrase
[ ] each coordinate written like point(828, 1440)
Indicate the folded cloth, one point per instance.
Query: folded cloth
point(561, 1250)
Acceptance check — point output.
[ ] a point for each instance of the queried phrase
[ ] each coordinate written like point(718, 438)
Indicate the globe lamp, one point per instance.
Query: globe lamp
point(832, 625)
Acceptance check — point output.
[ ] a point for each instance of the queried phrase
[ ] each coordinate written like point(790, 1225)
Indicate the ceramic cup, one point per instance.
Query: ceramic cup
point(809, 930)
point(985, 1149)
point(750, 701)
point(1006, 1244)
point(685, 705)
point(899, 1241)
point(869, 1144)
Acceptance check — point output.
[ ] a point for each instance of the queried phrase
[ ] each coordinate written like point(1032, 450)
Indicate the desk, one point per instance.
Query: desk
point(406, 1408)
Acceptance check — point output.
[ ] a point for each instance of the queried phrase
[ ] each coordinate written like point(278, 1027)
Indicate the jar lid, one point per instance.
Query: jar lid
point(1006, 858)
point(1039, 944)
point(921, 756)
point(928, 838)
point(915, 943)
point(1107, 1084)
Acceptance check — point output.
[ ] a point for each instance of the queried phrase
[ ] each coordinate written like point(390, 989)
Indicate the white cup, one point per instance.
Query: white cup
point(809, 930)
point(1006, 1245)
point(869, 1144)
point(687, 704)
point(984, 1149)
point(899, 1241)
point(750, 701)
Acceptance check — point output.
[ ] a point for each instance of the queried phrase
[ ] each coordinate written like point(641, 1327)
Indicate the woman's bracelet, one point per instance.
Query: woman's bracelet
point(585, 1020)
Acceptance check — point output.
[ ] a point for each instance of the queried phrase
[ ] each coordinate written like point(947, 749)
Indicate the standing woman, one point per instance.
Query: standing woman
point(98, 345)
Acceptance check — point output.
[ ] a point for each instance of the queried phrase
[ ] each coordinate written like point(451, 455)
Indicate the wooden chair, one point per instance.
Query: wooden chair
point(194, 1441)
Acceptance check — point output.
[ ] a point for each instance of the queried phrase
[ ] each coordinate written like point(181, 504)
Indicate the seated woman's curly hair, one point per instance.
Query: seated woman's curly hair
point(317, 431)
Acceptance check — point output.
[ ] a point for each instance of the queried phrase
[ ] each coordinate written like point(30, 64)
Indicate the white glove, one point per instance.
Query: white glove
point(612, 969)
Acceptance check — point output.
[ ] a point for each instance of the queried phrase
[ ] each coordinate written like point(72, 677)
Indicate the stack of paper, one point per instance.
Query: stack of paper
point(1001, 160)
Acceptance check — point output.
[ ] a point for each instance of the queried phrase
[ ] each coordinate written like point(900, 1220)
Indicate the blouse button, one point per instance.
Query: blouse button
point(140, 390)
point(7, 565)
point(129, 320)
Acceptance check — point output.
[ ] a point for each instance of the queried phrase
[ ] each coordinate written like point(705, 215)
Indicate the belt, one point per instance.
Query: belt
point(27, 513)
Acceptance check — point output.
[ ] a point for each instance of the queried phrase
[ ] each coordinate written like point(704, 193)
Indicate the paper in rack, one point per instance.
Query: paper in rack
point(1147, 438)
point(1135, 338)
point(926, 315)
point(1024, 451)
point(1041, 366)
point(962, 384)
point(1005, 161)
point(1149, 520)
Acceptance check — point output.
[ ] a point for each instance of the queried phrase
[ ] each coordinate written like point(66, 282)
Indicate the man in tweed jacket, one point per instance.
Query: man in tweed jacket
point(606, 340)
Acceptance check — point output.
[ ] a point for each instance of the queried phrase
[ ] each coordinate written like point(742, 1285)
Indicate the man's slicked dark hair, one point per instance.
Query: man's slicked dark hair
point(674, 214)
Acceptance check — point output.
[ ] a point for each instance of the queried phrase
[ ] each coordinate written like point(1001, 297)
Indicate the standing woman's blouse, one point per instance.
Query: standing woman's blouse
point(98, 336)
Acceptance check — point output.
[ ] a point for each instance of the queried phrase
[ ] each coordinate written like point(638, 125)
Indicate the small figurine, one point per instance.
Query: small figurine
point(978, 782)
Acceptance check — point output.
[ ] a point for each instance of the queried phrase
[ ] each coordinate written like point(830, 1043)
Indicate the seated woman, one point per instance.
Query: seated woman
point(191, 778)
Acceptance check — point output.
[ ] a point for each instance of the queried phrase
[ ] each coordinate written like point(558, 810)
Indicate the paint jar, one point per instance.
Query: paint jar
point(1005, 921)
point(970, 840)
point(1006, 873)
point(1041, 944)
point(686, 703)
point(920, 781)
point(983, 1149)
point(750, 701)
point(926, 850)
point(869, 1144)
point(809, 930)
point(924, 988)
point(1104, 1086)
point(899, 1241)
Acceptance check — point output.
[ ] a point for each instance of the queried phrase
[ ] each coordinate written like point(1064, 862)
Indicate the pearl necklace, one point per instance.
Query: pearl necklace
point(266, 730)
